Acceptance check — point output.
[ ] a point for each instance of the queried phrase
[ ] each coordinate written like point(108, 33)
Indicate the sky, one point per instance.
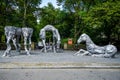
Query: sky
point(45, 2)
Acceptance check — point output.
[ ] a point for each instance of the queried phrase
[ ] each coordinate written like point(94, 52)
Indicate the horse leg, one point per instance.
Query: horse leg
point(110, 54)
point(7, 51)
point(58, 45)
point(54, 49)
point(77, 52)
point(15, 44)
point(98, 55)
point(29, 44)
point(25, 45)
point(43, 41)
point(86, 53)
point(106, 55)
point(18, 44)
point(82, 52)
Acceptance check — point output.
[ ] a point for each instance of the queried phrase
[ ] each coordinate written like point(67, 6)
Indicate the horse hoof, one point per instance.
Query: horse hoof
point(28, 54)
point(3, 55)
point(93, 55)
point(6, 55)
point(77, 54)
point(74, 54)
point(82, 54)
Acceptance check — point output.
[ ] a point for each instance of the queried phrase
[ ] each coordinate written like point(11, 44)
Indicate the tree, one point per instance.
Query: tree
point(27, 9)
point(73, 7)
point(19, 13)
point(77, 9)
point(104, 18)
point(6, 15)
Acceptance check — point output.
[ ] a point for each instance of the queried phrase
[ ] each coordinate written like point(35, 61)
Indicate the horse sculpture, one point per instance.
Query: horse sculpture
point(14, 33)
point(56, 36)
point(27, 34)
point(94, 50)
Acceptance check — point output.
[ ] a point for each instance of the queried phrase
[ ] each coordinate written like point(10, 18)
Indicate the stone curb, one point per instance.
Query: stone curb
point(56, 65)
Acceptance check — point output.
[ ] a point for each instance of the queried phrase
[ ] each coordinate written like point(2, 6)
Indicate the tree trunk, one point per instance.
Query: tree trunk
point(75, 32)
point(6, 12)
point(24, 16)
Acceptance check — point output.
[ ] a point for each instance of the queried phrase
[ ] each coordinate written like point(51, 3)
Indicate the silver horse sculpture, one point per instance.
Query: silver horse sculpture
point(56, 36)
point(14, 34)
point(94, 50)
point(27, 34)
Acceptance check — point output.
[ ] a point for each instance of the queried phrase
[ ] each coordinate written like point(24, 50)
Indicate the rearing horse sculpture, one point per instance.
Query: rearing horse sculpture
point(94, 50)
point(56, 36)
point(14, 33)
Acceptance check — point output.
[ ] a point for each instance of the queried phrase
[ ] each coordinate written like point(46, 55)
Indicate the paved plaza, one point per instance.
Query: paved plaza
point(58, 66)
point(59, 74)
point(66, 59)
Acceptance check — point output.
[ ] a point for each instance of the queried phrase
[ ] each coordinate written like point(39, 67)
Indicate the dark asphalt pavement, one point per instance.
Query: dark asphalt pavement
point(59, 74)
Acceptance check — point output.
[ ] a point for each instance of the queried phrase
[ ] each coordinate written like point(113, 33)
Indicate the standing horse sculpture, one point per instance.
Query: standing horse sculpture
point(56, 36)
point(14, 34)
point(27, 34)
point(94, 50)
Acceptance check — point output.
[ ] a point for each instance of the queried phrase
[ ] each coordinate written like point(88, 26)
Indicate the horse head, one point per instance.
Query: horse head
point(42, 33)
point(82, 38)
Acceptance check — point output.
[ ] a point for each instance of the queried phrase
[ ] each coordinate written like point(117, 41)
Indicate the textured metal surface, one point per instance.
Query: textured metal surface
point(56, 37)
point(95, 50)
point(14, 34)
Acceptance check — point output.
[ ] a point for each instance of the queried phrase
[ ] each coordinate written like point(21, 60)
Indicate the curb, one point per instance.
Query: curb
point(55, 65)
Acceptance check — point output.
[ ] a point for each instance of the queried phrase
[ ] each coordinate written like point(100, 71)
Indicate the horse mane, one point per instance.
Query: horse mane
point(89, 40)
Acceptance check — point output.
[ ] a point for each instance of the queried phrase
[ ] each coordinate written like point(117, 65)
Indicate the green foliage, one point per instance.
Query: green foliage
point(19, 13)
point(65, 40)
point(100, 19)
point(104, 18)
point(56, 17)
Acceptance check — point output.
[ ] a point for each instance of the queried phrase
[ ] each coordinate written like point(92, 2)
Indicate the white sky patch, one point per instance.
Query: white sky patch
point(45, 2)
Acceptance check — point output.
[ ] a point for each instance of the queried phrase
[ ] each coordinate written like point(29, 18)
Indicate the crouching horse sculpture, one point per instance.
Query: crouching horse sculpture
point(94, 50)
point(56, 36)
point(14, 34)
